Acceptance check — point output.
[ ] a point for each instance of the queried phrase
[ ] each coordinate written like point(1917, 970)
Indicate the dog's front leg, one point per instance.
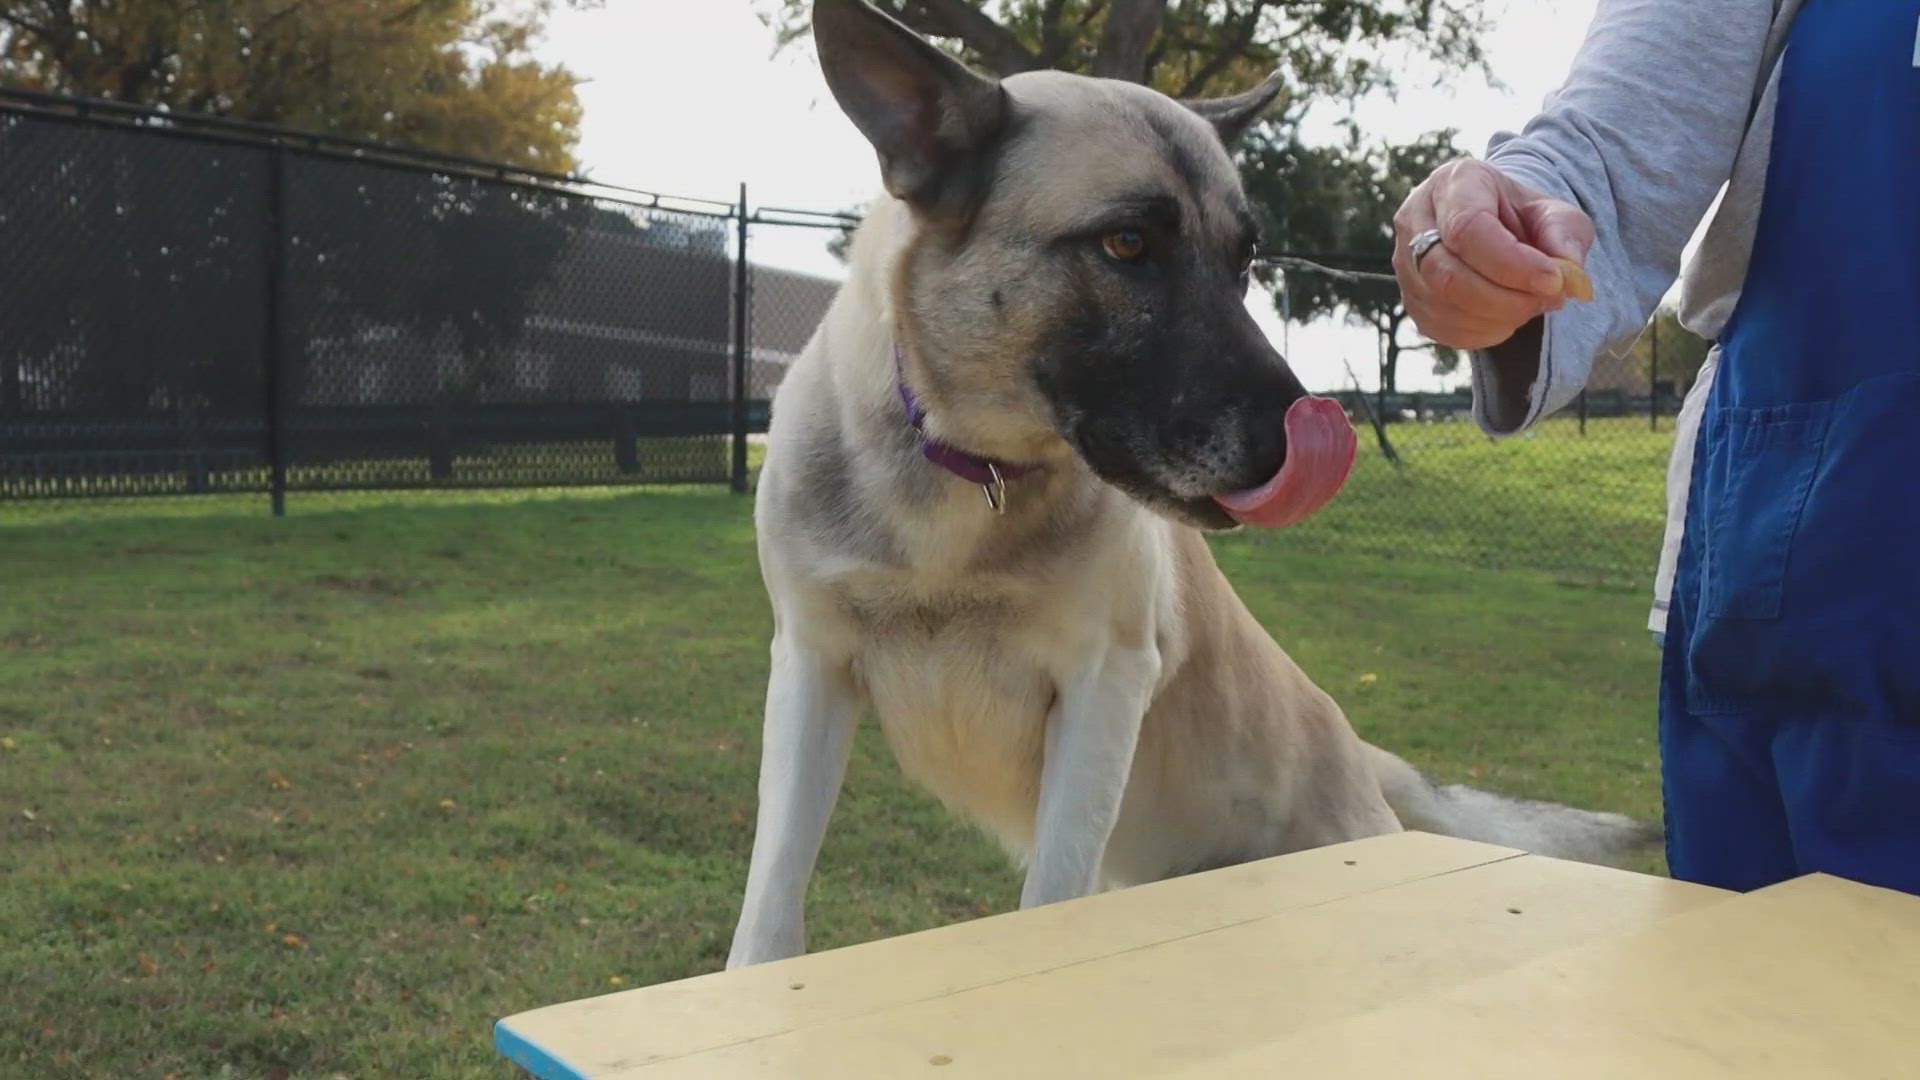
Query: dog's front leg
point(803, 757)
point(1091, 735)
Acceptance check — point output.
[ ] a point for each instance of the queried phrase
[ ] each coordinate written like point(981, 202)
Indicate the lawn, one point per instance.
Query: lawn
point(1588, 506)
point(325, 796)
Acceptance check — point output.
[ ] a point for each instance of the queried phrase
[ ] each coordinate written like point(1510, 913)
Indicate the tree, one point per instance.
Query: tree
point(455, 76)
point(126, 242)
point(1668, 352)
point(1335, 204)
point(137, 278)
point(1190, 48)
point(1336, 199)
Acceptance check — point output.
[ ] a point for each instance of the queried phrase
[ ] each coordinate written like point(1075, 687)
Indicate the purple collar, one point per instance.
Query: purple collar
point(989, 473)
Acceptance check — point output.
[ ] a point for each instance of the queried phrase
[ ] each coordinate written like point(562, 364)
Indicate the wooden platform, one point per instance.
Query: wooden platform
point(1403, 956)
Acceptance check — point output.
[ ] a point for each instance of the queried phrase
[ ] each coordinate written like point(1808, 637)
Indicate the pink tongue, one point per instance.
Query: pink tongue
point(1320, 448)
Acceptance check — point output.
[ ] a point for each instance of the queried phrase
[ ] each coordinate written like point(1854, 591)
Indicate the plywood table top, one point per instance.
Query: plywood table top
point(1402, 954)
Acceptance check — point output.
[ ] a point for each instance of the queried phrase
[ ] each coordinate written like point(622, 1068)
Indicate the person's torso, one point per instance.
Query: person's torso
point(1805, 512)
point(1832, 295)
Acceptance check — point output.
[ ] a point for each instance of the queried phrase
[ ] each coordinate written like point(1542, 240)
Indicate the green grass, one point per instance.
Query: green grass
point(1587, 506)
point(327, 795)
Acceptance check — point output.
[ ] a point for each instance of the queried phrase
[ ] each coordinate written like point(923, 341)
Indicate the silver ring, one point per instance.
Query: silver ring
point(1422, 243)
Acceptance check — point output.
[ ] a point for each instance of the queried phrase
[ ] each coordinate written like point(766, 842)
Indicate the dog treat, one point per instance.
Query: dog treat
point(1574, 280)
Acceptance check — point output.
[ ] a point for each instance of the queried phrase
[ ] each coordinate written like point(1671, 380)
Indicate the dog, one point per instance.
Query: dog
point(987, 482)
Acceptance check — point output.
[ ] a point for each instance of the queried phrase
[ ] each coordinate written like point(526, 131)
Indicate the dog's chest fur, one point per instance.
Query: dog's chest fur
point(962, 662)
point(963, 707)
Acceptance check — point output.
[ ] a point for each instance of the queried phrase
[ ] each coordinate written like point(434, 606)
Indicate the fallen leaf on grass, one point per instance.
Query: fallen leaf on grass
point(1369, 677)
point(279, 783)
point(293, 941)
point(149, 967)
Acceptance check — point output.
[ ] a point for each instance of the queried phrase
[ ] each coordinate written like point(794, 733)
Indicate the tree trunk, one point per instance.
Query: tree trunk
point(1389, 373)
point(1375, 418)
point(1126, 39)
point(1390, 350)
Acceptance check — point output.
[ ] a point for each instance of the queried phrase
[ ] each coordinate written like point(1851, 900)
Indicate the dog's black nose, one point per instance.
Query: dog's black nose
point(1271, 388)
point(1264, 446)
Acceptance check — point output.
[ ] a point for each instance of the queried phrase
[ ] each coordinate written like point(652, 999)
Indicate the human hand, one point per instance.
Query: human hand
point(1494, 269)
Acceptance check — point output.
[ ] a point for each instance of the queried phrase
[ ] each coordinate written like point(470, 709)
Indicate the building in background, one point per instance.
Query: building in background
point(786, 307)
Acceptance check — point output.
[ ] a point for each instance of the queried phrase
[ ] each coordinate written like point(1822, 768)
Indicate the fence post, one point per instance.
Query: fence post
point(740, 302)
point(1583, 412)
point(275, 353)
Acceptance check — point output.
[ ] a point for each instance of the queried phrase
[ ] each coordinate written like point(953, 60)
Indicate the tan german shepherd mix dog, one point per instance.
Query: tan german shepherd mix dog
point(986, 483)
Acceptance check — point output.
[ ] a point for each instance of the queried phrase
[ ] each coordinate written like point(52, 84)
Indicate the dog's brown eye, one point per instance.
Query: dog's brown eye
point(1127, 245)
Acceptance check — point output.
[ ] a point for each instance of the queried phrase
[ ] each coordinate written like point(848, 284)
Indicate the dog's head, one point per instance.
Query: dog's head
point(1077, 270)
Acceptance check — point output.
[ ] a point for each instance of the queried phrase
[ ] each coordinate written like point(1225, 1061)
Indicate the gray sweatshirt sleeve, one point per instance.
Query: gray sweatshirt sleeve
point(1641, 136)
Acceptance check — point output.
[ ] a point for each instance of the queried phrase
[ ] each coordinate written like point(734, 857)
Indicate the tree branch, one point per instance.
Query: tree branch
point(31, 28)
point(274, 17)
point(995, 44)
point(135, 76)
point(1239, 38)
point(1126, 39)
point(403, 15)
point(1053, 37)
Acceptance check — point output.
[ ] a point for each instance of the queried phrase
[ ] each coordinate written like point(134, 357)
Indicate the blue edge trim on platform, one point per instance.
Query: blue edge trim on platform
point(530, 1056)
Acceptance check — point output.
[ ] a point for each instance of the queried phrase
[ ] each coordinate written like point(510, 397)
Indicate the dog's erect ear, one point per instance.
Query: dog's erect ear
point(1232, 116)
point(924, 112)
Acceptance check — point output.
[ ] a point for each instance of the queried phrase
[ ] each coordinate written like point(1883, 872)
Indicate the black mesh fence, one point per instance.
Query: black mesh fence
point(133, 298)
point(785, 305)
point(464, 331)
point(1580, 494)
point(194, 308)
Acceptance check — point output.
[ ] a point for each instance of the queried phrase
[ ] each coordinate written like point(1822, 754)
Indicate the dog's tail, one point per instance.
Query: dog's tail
point(1543, 828)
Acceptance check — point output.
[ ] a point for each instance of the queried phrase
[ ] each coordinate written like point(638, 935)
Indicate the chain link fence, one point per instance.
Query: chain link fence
point(786, 304)
point(200, 307)
point(1579, 495)
point(196, 306)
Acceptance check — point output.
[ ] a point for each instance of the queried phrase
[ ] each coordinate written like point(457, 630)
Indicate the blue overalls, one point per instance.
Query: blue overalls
point(1790, 691)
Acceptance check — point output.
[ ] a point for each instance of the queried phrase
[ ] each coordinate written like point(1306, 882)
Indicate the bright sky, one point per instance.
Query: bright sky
point(687, 97)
